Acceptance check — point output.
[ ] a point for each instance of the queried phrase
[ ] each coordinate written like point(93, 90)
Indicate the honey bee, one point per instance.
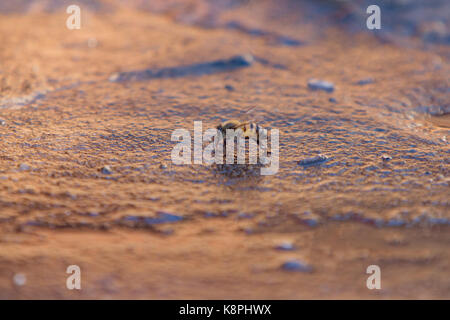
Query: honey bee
point(250, 130)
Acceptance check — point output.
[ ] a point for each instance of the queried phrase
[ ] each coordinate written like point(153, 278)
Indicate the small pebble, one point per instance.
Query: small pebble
point(287, 246)
point(163, 166)
point(386, 157)
point(229, 87)
point(315, 84)
point(24, 167)
point(365, 81)
point(107, 170)
point(19, 279)
point(114, 77)
point(295, 265)
point(313, 161)
point(332, 100)
point(312, 222)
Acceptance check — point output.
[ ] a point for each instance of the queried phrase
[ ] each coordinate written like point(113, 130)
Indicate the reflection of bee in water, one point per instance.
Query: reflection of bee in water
point(250, 130)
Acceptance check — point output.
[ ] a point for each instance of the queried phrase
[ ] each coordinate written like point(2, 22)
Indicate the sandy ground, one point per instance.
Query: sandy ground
point(149, 229)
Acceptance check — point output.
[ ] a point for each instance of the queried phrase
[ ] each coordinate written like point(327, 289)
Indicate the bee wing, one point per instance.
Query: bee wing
point(252, 115)
point(242, 124)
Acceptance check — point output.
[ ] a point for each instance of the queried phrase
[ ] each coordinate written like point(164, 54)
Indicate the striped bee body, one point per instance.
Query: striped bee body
point(250, 130)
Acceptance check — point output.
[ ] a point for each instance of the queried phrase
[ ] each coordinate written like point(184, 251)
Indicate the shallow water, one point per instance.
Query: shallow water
point(385, 176)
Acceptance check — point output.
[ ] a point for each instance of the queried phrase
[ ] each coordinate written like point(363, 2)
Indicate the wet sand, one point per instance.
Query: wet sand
point(111, 94)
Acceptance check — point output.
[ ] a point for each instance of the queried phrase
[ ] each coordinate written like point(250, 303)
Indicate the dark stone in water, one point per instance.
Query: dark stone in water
point(313, 161)
point(198, 69)
point(295, 265)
